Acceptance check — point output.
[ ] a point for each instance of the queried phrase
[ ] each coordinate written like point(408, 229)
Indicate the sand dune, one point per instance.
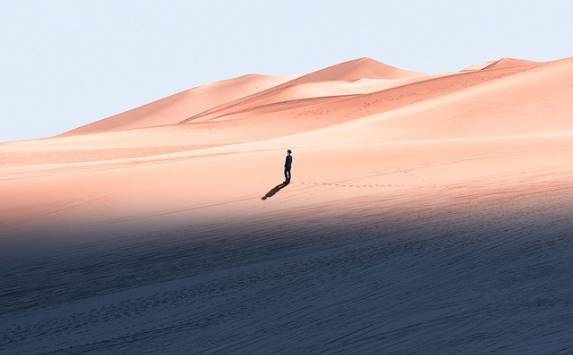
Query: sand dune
point(175, 108)
point(514, 105)
point(339, 78)
point(190, 104)
point(427, 192)
point(362, 68)
point(510, 62)
point(501, 63)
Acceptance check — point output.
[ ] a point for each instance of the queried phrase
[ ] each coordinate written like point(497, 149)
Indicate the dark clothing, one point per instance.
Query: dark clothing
point(287, 175)
point(288, 163)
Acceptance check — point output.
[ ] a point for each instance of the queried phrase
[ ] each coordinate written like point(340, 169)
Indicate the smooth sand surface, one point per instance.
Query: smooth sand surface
point(175, 108)
point(436, 171)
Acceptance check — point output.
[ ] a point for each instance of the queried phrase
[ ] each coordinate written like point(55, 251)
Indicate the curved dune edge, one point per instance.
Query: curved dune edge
point(172, 109)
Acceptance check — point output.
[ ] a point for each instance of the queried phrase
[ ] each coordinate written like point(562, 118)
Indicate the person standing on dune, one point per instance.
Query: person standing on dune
point(288, 164)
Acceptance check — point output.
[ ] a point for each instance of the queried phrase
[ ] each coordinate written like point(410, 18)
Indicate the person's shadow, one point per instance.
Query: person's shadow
point(274, 190)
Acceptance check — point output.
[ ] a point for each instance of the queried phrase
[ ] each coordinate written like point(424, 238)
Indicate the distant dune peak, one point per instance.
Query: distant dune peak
point(500, 63)
point(356, 69)
point(510, 62)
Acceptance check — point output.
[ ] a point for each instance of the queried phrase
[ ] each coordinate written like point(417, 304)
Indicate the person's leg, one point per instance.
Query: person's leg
point(287, 175)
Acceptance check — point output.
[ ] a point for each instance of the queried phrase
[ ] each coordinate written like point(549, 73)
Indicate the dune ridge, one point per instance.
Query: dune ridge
point(174, 108)
point(332, 76)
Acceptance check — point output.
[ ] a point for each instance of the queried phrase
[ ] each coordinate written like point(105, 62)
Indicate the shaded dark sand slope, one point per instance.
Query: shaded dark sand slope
point(457, 275)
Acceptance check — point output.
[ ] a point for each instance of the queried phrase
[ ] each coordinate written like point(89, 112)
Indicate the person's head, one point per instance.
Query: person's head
point(289, 151)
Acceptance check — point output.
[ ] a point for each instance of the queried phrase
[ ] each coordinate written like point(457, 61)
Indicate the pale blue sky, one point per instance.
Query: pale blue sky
point(67, 63)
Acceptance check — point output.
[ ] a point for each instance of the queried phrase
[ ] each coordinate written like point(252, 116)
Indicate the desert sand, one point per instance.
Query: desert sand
point(400, 178)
